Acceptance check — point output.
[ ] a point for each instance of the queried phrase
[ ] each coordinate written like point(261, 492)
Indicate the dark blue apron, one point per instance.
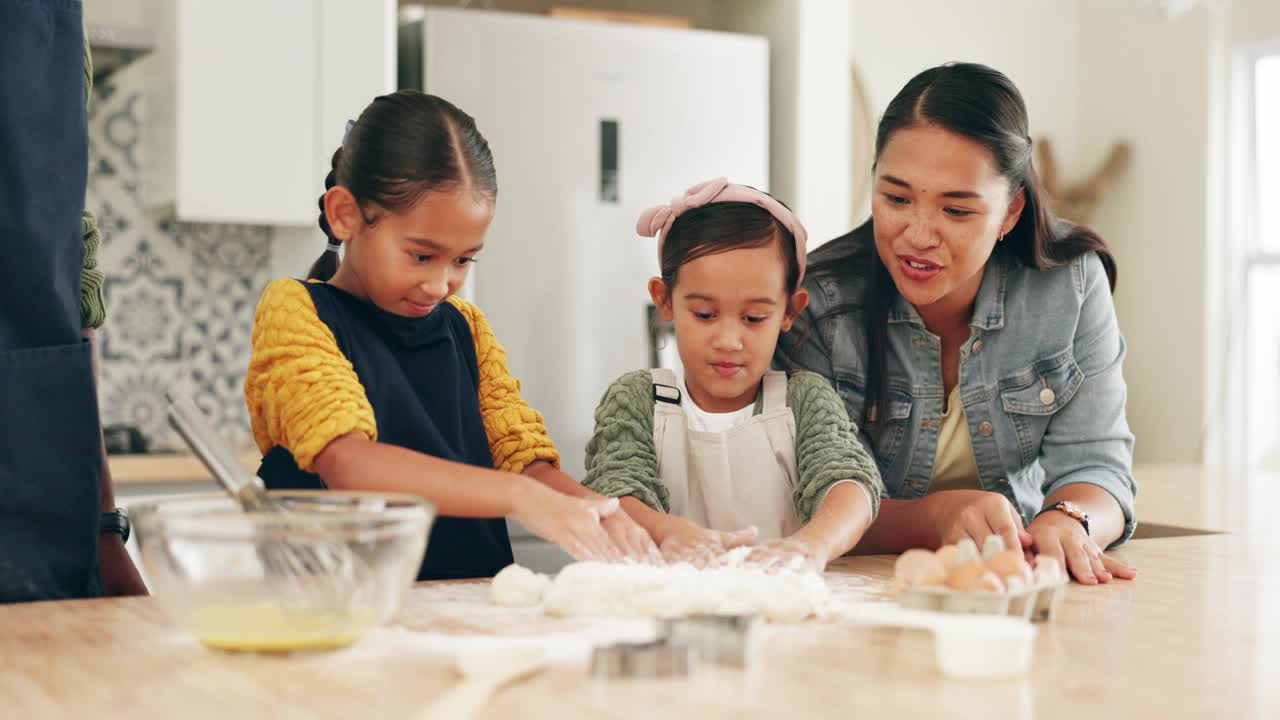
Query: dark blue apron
point(422, 379)
point(50, 462)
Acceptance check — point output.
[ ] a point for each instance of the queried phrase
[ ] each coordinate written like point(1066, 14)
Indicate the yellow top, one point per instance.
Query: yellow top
point(303, 393)
point(953, 466)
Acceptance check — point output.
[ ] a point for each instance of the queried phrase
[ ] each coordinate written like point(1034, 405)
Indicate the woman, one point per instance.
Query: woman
point(972, 337)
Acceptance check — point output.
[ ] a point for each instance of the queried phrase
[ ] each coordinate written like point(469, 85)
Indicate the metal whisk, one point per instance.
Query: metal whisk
point(318, 567)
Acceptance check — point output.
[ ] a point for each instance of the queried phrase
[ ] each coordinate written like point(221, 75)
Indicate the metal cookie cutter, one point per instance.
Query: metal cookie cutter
point(723, 639)
point(656, 659)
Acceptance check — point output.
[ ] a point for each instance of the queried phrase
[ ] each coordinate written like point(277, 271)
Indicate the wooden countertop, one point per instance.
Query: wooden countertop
point(1196, 635)
point(167, 469)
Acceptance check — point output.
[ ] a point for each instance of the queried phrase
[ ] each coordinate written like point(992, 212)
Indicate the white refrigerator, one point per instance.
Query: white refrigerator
point(589, 123)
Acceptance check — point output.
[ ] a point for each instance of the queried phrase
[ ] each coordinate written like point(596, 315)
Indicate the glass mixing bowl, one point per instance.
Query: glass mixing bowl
point(313, 578)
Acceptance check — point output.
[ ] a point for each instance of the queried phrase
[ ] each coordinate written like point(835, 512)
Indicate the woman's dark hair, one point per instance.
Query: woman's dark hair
point(720, 227)
point(403, 146)
point(983, 105)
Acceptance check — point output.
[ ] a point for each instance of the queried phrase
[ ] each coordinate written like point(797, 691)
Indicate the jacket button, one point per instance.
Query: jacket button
point(976, 347)
point(1047, 396)
point(985, 428)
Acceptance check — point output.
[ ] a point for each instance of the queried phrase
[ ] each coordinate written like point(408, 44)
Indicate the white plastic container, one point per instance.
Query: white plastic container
point(983, 647)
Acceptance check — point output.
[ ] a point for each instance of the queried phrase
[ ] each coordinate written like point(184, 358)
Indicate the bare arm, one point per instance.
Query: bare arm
point(839, 523)
point(634, 542)
point(353, 462)
point(900, 525)
point(1106, 518)
point(834, 528)
point(943, 517)
point(119, 575)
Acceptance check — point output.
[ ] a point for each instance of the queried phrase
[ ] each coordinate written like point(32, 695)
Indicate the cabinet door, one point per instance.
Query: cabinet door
point(357, 64)
point(247, 102)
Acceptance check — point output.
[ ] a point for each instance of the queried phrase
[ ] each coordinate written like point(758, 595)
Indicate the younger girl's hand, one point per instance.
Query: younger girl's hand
point(685, 541)
point(572, 523)
point(1061, 536)
point(789, 553)
point(634, 541)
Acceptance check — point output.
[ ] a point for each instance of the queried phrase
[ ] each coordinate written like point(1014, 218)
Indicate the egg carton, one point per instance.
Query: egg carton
point(1036, 604)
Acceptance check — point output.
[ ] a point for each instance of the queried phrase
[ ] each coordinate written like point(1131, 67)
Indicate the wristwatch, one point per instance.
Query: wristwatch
point(1072, 510)
point(116, 521)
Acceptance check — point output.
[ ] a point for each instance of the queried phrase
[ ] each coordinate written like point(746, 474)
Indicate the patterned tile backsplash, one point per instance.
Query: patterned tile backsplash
point(180, 296)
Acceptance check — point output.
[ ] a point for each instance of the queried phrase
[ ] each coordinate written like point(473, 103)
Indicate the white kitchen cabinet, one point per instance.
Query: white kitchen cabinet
point(247, 101)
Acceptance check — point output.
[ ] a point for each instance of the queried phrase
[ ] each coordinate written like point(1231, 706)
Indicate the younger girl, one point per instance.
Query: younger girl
point(724, 451)
point(373, 376)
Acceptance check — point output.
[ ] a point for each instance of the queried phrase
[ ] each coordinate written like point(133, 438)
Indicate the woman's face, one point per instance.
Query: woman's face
point(939, 208)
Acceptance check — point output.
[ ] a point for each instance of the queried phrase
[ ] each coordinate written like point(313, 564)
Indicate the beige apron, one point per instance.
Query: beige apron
point(734, 479)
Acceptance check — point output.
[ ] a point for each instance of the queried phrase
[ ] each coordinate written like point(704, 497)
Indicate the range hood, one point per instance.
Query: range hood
point(114, 46)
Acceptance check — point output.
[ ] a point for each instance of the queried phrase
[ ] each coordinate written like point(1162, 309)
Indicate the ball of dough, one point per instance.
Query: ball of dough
point(518, 586)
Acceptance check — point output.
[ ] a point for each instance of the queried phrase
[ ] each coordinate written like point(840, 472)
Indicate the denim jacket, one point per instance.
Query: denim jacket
point(1040, 378)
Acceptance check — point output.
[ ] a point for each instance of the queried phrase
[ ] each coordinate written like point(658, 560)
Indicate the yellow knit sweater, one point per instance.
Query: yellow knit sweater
point(303, 393)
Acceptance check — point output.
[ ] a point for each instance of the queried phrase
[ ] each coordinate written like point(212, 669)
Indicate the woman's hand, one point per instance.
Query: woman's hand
point(685, 541)
point(1061, 536)
point(574, 524)
point(975, 514)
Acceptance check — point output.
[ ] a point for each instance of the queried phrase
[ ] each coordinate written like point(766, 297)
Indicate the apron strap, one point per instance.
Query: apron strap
point(775, 391)
point(666, 388)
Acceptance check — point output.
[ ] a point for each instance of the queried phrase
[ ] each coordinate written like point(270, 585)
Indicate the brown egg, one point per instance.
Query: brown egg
point(947, 554)
point(1010, 563)
point(920, 568)
point(990, 582)
point(966, 577)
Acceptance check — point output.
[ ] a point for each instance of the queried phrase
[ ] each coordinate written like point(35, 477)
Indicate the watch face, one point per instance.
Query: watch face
point(1075, 512)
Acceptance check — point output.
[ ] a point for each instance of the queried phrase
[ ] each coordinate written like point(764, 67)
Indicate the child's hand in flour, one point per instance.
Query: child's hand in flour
point(632, 539)
point(685, 541)
point(789, 553)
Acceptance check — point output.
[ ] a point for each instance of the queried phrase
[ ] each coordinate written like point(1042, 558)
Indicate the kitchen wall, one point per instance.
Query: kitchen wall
point(1167, 83)
point(180, 296)
point(1148, 80)
point(130, 14)
point(1034, 42)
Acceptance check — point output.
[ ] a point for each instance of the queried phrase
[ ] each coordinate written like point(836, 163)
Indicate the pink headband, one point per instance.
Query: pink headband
point(657, 220)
